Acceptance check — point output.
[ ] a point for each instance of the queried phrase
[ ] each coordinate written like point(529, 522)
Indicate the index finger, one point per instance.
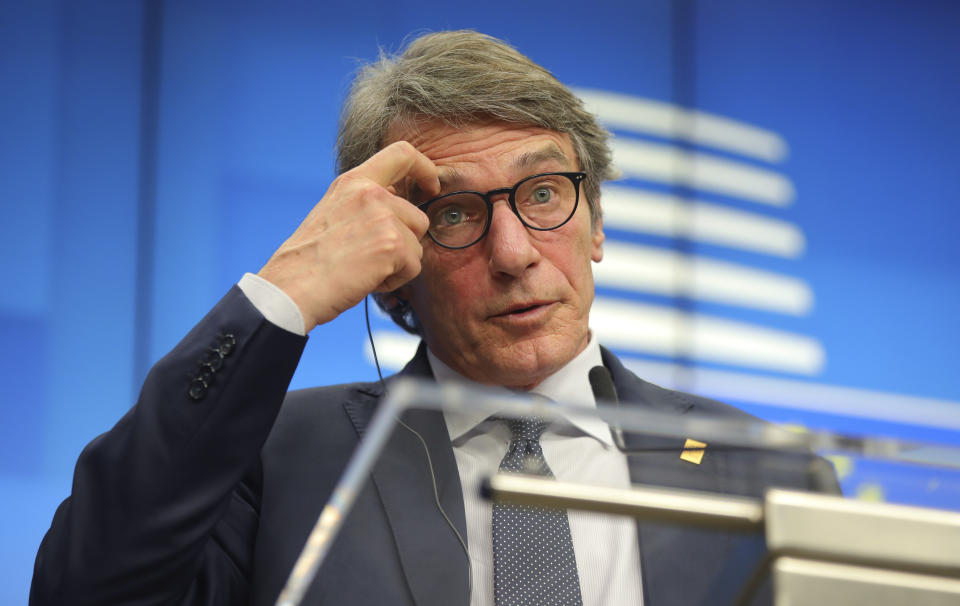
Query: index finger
point(397, 161)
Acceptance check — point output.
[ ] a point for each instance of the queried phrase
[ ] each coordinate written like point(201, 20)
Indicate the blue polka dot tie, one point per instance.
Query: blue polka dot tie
point(533, 559)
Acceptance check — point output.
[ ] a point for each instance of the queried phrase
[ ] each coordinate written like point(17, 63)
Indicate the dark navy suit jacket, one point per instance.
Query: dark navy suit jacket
point(206, 496)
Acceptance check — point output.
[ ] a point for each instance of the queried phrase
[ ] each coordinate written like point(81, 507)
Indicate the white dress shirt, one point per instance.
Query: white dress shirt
point(606, 548)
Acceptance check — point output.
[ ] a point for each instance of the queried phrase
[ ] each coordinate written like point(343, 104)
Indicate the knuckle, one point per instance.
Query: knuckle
point(368, 198)
point(346, 178)
point(412, 270)
point(390, 242)
point(403, 146)
point(423, 224)
point(368, 190)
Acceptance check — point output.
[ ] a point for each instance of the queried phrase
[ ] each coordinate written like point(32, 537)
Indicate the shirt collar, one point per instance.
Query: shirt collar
point(570, 385)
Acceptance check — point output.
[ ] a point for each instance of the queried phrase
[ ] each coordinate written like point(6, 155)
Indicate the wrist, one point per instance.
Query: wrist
point(275, 303)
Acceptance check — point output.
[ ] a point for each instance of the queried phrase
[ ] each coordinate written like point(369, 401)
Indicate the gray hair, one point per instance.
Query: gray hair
point(459, 78)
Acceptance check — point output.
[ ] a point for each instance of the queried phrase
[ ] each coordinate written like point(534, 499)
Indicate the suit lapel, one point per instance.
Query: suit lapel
point(432, 558)
point(675, 560)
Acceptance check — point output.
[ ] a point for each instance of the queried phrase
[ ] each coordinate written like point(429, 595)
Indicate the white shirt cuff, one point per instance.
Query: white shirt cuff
point(275, 305)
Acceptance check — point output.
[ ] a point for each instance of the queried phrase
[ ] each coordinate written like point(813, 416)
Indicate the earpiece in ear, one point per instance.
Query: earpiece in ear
point(391, 301)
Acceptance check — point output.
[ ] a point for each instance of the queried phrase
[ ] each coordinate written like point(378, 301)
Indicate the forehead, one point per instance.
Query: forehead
point(475, 153)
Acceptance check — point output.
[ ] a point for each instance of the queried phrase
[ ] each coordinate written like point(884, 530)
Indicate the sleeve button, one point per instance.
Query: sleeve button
point(213, 360)
point(198, 389)
point(227, 343)
point(205, 376)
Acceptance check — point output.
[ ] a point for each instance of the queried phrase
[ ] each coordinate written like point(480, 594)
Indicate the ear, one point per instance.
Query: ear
point(392, 300)
point(596, 250)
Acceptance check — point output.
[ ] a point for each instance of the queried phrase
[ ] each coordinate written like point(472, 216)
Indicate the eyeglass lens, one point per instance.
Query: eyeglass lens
point(543, 202)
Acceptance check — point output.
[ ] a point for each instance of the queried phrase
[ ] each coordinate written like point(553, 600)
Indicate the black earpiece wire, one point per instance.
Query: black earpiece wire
point(373, 348)
point(426, 450)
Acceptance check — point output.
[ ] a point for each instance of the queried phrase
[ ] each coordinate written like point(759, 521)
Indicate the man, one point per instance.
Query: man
point(204, 492)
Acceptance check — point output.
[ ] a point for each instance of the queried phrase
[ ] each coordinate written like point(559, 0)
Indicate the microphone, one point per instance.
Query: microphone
point(605, 393)
point(602, 385)
point(601, 382)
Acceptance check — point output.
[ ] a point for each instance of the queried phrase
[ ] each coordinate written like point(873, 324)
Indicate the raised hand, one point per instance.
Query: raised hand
point(360, 238)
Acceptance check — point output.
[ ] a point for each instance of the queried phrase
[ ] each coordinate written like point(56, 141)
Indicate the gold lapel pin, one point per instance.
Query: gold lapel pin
point(693, 451)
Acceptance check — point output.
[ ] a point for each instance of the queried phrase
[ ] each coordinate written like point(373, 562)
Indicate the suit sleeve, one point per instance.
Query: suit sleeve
point(164, 506)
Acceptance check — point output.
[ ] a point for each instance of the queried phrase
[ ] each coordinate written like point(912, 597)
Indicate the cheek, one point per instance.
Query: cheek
point(572, 258)
point(455, 293)
point(449, 289)
point(580, 277)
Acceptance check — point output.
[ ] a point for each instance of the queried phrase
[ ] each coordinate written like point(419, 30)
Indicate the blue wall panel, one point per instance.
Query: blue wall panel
point(238, 146)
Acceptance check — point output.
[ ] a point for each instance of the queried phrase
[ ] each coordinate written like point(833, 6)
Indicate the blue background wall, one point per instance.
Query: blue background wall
point(153, 151)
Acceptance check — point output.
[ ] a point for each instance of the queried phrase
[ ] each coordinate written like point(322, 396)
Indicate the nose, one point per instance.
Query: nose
point(508, 242)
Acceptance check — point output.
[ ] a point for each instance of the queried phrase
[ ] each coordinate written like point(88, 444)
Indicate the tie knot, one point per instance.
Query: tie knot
point(526, 428)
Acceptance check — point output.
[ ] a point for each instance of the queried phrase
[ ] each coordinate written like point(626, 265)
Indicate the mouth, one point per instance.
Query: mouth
point(523, 309)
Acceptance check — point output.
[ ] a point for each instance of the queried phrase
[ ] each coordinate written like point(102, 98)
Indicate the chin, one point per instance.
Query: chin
point(525, 365)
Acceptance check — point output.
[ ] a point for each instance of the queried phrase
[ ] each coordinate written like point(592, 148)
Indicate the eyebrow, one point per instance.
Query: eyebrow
point(452, 179)
point(449, 178)
point(546, 154)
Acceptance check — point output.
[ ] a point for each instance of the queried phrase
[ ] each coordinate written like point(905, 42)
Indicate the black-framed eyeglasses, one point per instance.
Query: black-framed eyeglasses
point(542, 202)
